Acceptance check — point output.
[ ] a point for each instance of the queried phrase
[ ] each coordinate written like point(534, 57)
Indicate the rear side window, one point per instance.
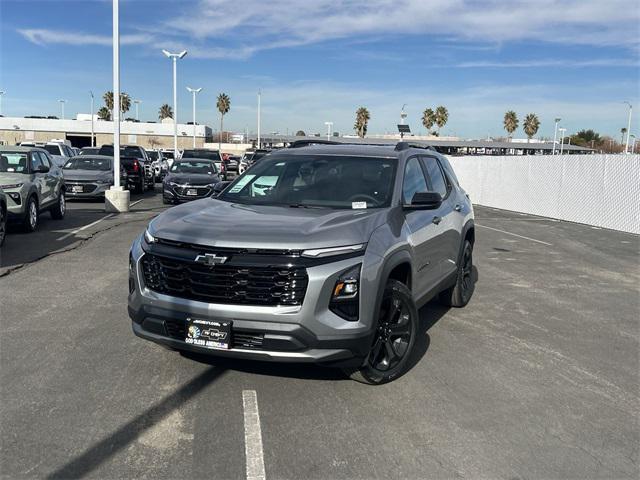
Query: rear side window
point(35, 161)
point(44, 159)
point(13, 162)
point(436, 177)
point(53, 149)
point(414, 180)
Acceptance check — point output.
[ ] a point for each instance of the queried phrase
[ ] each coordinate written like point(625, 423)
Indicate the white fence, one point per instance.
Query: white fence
point(599, 190)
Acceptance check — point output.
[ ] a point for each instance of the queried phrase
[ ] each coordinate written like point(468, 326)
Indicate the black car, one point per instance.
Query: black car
point(213, 155)
point(137, 164)
point(189, 179)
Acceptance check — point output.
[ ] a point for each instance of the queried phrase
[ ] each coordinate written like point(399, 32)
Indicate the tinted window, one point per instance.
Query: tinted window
point(208, 154)
point(13, 162)
point(434, 172)
point(35, 161)
point(90, 151)
point(52, 149)
point(88, 163)
point(206, 168)
point(44, 159)
point(414, 180)
point(343, 182)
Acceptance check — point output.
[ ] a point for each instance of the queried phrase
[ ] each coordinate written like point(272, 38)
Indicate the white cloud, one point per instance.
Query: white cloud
point(555, 63)
point(44, 37)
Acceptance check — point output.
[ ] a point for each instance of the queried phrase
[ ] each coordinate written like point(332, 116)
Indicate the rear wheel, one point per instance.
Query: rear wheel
point(3, 224)
point(394, 338)
point(460, 294)
point(30, 221)
point(60, 208)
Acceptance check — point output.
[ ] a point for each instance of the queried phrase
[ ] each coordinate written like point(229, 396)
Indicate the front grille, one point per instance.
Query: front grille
point(201, 191)
point(86, 187)
point(239, 338)
point(226, 284)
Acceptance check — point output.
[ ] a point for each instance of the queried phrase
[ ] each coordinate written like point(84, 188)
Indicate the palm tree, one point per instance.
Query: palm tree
point(510, 122)
point(104, 113)
point(428, 119)
point(362, 120)
point(223, 104)
point(165, 112)
point(300, 133)
point(531, 125)
point(125, 101)
point(623, 131)
point(442, 116)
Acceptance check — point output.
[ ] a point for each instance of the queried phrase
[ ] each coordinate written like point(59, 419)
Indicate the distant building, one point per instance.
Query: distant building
point(14, 130)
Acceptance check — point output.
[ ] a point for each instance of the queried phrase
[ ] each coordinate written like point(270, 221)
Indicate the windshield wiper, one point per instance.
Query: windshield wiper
point(303, 205)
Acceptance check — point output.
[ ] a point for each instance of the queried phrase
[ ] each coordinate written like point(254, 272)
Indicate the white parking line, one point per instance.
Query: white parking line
point(515, 235)
point(135, 203)
point(85, 227)
point(252, 436)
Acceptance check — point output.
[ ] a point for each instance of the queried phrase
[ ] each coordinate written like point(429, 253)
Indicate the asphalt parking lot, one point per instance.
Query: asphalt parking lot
point(536, 378)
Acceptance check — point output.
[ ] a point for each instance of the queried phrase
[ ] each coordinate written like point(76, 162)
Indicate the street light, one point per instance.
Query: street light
point(1, 94)
point(403, 114)
point(136, 103)
point(175, 57)
point(562, 130)
point(555, 135)
point(193, 92)
point(626, 147)
point(62, 102)
point(329, 127)
point(259, 98)
point(92, 134)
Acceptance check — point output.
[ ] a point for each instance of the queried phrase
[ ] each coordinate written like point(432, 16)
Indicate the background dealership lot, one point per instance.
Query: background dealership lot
point(539, 378)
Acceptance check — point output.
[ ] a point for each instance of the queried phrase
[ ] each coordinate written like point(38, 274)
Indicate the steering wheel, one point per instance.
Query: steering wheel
point(361, 196)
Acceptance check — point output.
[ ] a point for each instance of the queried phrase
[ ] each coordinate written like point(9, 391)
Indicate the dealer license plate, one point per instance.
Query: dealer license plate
point(76, 189)
point(208, 333)
point(192, 192)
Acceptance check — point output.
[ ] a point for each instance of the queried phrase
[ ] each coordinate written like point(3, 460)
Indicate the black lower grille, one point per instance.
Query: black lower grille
point(226, 284)
point(239, 338)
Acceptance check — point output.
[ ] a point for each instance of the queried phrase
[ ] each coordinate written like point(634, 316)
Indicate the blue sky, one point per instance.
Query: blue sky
point(319, 60)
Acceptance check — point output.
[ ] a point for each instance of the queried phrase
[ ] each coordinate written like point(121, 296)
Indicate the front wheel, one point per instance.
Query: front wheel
point(30, 222)
point(460, 294)
point(395, 336)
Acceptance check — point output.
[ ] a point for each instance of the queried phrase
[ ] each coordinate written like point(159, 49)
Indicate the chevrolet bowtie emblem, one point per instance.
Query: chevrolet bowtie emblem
point(210, 259)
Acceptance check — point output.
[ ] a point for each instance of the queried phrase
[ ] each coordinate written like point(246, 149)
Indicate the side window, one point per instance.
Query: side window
point(68, 151)
point(436, 177)
point(35, 161)
point(44, 158)
point(414, 180)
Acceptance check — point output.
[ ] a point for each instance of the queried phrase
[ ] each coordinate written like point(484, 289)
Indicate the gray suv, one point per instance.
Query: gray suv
point(318, 253)
point(32, 183)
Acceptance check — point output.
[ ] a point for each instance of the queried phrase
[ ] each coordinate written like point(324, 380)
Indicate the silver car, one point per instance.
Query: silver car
point(90, 176)
point(318, 253)
point(32, 184)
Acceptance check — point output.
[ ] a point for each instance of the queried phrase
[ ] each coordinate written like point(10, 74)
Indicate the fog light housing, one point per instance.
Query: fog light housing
point(15, 197)
point(345, 297)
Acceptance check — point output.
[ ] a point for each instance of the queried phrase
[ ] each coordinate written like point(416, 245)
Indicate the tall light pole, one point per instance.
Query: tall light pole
point(92, 134)
point(1, 94)
point(329, 127)
point(562, 130)
point(116, 95)
point(259, 98)
point(626, 147)
point(403, 114)
point(175, 57)
point(193, 92)
point(62, 102)
point(555, 134)
point(136, 103)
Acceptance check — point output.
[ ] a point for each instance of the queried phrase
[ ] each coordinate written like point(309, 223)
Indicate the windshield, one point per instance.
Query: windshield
point(153, 155)
point(204, 168)
point(89, 151)
point(209, 155)
point(13, 162)
point(52, 149)
point(78, 163)
point(316, 181)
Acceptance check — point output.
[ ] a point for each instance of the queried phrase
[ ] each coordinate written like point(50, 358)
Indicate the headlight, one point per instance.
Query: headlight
point(345, 295)
point(148, 237)
point(329, 252)
point(104, 182)
point(12, 185)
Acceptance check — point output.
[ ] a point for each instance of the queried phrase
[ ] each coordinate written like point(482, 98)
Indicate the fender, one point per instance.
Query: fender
point(467, 226)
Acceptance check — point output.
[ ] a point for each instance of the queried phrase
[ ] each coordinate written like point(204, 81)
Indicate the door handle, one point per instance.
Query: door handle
point(436, 220)
point(458, 207)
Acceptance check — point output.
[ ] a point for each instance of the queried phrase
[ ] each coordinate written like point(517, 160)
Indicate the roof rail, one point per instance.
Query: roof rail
point(306, 142)
point(406, 145)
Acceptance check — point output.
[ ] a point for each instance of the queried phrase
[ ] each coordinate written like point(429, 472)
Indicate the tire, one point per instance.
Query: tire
point(30, 221)
point(58, 211)
point(460, 294)
point(390, 352)
point(139, 187)
point(3, 224)
point(166, 202)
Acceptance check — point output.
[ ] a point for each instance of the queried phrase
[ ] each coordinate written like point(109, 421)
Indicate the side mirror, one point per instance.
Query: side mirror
point(425, 201)
point(42, 169)
point(219, 187)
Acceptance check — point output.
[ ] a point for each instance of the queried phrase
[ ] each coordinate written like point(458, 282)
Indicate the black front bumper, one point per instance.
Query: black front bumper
point(281, 342)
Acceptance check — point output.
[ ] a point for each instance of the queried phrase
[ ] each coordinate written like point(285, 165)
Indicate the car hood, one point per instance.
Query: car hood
point(87, 175)
point(11, 178)
point(192, 178)
point(222, 224)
